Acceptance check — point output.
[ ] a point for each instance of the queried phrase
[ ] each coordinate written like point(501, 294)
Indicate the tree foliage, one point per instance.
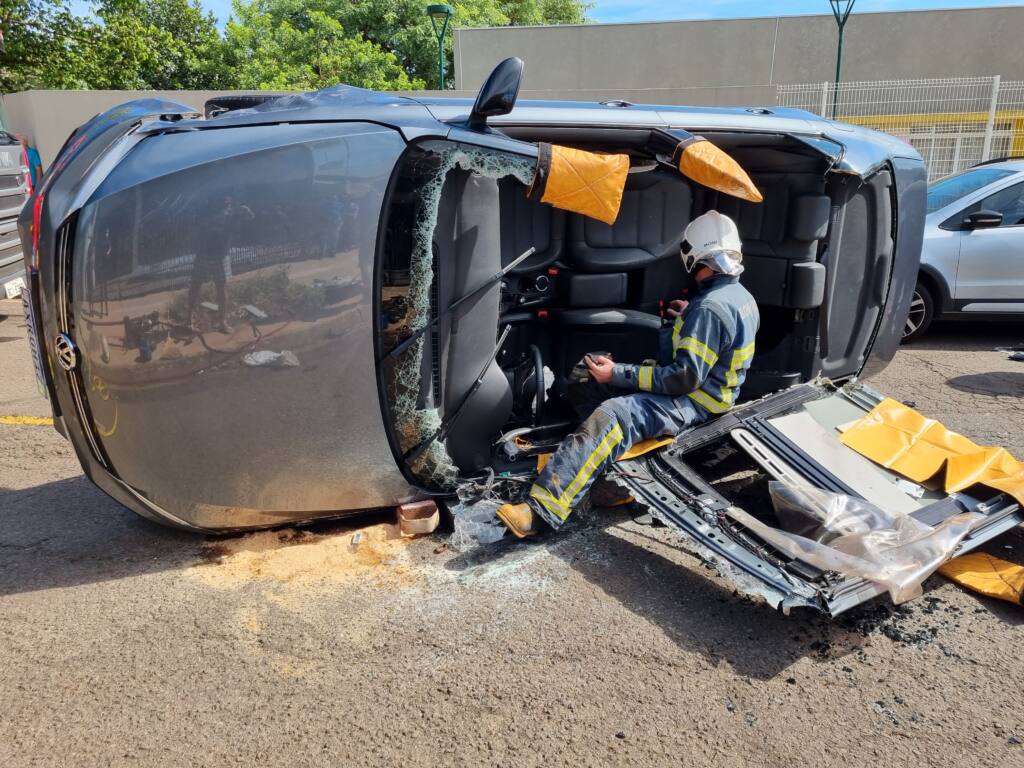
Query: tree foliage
point(40, 43)
point(160, 44)
point(303, 44)
point(267, 44)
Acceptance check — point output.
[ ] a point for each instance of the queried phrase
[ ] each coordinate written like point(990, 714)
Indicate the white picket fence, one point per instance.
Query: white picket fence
point(953, 122)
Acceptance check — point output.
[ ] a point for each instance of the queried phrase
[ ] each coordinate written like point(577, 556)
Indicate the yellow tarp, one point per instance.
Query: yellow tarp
point(988, 575)
point(574, 180)
point(644, 446)
point(901, 439)
point(702, 161)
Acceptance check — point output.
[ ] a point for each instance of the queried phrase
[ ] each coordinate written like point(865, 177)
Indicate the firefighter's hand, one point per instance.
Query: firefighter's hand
point(676, 307)
point(600, 367)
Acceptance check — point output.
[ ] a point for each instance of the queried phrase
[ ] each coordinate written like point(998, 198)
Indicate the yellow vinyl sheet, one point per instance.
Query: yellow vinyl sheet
point(910, 444)
point(988, 575)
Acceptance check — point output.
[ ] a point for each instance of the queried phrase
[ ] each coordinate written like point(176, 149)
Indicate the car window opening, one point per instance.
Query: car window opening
point(411, 302)
point(460, 214)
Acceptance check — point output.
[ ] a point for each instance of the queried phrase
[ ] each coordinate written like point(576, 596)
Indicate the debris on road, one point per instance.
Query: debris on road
point(476, 524)
point(305, 559)
point(267, 359)
point(418, 518)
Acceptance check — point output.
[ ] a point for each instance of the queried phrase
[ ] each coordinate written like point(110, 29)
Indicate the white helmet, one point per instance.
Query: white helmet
point(712, 238)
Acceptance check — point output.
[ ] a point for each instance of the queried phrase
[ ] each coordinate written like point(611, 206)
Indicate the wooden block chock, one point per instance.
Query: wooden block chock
point(418, 518)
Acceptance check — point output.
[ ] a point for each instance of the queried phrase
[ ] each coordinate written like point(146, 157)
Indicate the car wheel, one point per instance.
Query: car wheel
point(922, 312)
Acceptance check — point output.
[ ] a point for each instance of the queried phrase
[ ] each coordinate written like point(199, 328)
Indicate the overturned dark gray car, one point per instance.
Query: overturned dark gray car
point(344, 300)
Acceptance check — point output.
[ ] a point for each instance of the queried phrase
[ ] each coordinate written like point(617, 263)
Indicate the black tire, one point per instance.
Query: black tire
point(220, 104)
point(922, 312)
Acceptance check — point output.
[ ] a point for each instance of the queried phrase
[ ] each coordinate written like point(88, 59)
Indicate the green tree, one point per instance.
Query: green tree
point(264, 37)
point(42, 40)
point(402, 26)
point(297, 44)
point(158, 44)
point(271, 44)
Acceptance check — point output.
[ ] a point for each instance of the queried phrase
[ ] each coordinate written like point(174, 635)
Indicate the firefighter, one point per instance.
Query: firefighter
point(703, 361)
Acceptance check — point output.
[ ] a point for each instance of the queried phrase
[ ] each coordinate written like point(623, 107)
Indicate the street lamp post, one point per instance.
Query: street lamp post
point(440, 14)
point(841, 10)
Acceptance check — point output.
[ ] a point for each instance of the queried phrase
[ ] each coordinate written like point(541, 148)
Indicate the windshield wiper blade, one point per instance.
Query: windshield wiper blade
point(450, 418)
point(464, 298)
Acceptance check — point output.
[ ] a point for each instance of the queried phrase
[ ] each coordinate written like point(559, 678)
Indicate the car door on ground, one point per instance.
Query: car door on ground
point(991, 268)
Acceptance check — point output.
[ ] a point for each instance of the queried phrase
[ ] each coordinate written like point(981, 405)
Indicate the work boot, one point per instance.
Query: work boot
point(519, 518)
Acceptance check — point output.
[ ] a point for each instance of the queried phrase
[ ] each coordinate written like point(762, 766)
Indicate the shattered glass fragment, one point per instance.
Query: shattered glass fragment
point(415, 423)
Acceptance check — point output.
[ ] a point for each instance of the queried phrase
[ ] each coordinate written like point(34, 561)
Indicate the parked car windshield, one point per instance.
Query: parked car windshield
point(952, 188)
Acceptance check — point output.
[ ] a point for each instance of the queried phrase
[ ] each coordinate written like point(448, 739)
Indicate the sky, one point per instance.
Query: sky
point(659, 10)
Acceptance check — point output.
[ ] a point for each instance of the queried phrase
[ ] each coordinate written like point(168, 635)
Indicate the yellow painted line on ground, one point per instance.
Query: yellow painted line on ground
point(34, 421)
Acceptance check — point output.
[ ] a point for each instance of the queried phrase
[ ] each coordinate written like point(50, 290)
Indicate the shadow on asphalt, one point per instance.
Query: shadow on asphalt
point(68, 532)
point(993, 383)
point(970, 335)
point(697, 612)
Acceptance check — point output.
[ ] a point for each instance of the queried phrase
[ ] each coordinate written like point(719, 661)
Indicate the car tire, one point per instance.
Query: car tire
point(922, 312)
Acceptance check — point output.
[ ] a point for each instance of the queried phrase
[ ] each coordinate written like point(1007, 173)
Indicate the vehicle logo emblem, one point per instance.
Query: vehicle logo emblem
point(67, 355)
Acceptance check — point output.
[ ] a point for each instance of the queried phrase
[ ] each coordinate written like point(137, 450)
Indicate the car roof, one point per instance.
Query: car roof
point(1010, 163)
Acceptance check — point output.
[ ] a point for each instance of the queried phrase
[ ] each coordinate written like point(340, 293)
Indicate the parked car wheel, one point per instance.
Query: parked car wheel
point(922, 312)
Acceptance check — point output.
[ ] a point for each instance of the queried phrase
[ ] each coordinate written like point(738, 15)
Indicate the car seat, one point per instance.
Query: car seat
point(634, 261)
point(467, 252)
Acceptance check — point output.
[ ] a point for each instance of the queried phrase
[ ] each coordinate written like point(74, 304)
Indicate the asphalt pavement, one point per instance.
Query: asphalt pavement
point(124, 643)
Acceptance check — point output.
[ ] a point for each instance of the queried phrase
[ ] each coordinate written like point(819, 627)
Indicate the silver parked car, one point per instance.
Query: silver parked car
point(972, 264)
point(15, 187)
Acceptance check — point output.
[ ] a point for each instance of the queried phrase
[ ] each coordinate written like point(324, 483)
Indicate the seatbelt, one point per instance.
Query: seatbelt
point(449, 420)
point(465, 297)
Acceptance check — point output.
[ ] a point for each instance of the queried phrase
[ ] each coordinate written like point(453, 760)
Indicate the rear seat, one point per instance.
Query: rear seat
point(636, 258)
point(655, 210)
point(780, 238)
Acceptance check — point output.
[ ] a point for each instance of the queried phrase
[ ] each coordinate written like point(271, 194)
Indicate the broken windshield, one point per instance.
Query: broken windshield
point(409, 334)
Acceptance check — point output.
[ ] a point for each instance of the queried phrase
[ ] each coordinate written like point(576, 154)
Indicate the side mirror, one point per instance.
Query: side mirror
point(983, 220)
point(498, 94)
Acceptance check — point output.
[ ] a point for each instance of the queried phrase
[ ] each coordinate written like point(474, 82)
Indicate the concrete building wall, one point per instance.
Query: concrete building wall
point(665, 60)
point(47, 118)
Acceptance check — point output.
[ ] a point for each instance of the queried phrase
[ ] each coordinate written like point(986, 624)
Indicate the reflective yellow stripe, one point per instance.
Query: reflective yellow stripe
point(560, 506)
point(700, 349)
point(600, 453)
point(714, 405)
point(645, 378)
point(676, 330)
point(740, 356)
point(708, 401)
point(550, 502)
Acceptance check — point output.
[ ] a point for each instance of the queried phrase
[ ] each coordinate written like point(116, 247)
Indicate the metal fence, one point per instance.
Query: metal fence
point(953, 122)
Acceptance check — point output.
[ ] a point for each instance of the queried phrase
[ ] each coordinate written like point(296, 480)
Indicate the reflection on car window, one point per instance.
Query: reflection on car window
point(951, 189)
point(1009, 202)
